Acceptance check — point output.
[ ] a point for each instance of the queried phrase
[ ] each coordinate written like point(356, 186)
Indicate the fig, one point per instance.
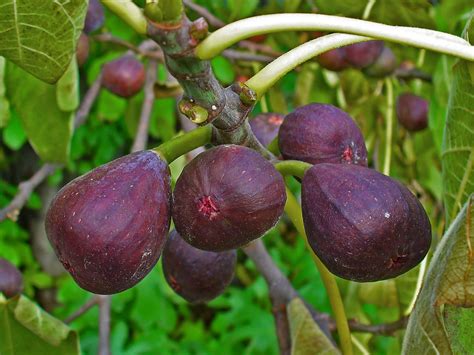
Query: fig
point(82, 51)
point(363, 225)
point(95, 16)
point(11, 281)
point(412, 112)
point(334, 60)
point(196, 275)
point(265, 126)
point(361, 55)
point(108, 227)
point(226, 197)
point(124, 76)
point(321, 133)
point(384, 65)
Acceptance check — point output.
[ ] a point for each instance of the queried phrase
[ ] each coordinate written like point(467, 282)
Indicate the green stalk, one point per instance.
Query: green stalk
point(389, 127)
point(413, 36)
point(184, 143)
point(293, 210)
point(292, 167)
point(273, 72)
point(128, 12)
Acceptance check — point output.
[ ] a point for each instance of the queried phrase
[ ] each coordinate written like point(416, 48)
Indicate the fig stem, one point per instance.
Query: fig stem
point(184, 143)
point(389, 128)
point(129, 13)
point(293, 210)
point(414, 36)
point(292, 167)
point(273, 147)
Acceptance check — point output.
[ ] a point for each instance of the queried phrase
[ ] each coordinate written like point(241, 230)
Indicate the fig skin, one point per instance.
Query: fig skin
point(265, 126)
point(384, 65)
point(226, 197)
point(363, 225)
point(321, 133)
point(95, 16)
point(108, 227)
point(124, 76)
point(361, 55)
point(196, 275)
point(11, 280)
point(412, 112)
point(334, 60)
point(82, 51)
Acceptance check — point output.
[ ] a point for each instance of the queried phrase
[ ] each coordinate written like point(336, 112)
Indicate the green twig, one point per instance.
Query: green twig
point(389, 126)
point(128, 12)
point(293, 210)
point(184, 143)
point(413, 36)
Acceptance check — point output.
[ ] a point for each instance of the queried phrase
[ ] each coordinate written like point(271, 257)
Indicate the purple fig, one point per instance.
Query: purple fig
point(334, 59)
point(11, 281)
point(384, 65)
point(197, 275)
point(265, 126)
point(363, 225)
point(108, 227)
point(82, 51)
point(412, 112)
point(95, 16)
point(361, 55)
point(321, 133)
point(227, 197)
point(124, 76)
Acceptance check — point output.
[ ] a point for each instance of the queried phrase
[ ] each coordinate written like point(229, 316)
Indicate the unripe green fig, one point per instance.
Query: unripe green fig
point(108, 227)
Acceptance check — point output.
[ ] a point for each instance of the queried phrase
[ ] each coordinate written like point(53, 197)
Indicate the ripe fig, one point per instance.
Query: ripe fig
point(361, 55)
point(363, 225)
point(321, 133)
point(196, 275)
point(108, 227)
point(124, 76)
point(82, 51)
point(384, 65)
point(412, 112)
point(265, 126)
point(334, 59)
point(227, 197)
point(11, 281)
point(95, 16)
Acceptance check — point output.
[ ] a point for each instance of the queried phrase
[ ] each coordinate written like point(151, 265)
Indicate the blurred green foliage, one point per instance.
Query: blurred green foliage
point(150, 318)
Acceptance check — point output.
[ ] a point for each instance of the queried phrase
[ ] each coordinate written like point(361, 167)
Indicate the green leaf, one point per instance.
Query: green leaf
point(67, 89)
point(4, 104)
point(223, 69)
point(13, 134)
point(449, 282)
point(306, 336)
point(40, 36)
point(458, 140)
point(27, 329)
point(48, 129)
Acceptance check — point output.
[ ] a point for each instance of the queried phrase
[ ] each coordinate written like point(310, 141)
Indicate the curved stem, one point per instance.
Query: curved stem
point(128, 12)
point(268, 76)
point(389, 127)
point(292, 167)
point(417, 37)
point(184, 143)
point(293, 210)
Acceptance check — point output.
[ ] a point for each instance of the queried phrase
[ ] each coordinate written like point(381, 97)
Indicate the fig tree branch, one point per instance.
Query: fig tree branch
point(202, 11)
point(104, 324)
point(141, 138)
point(417, 37)
point(379, 329)
point(83, 309)
point(26, 188)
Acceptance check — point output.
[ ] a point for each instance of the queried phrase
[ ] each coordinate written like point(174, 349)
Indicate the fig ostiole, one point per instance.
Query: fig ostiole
point(321, 133)
point(108, 227)
point(11, 280)
point(226, 197)
point(363, 225)
point(196, 275)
